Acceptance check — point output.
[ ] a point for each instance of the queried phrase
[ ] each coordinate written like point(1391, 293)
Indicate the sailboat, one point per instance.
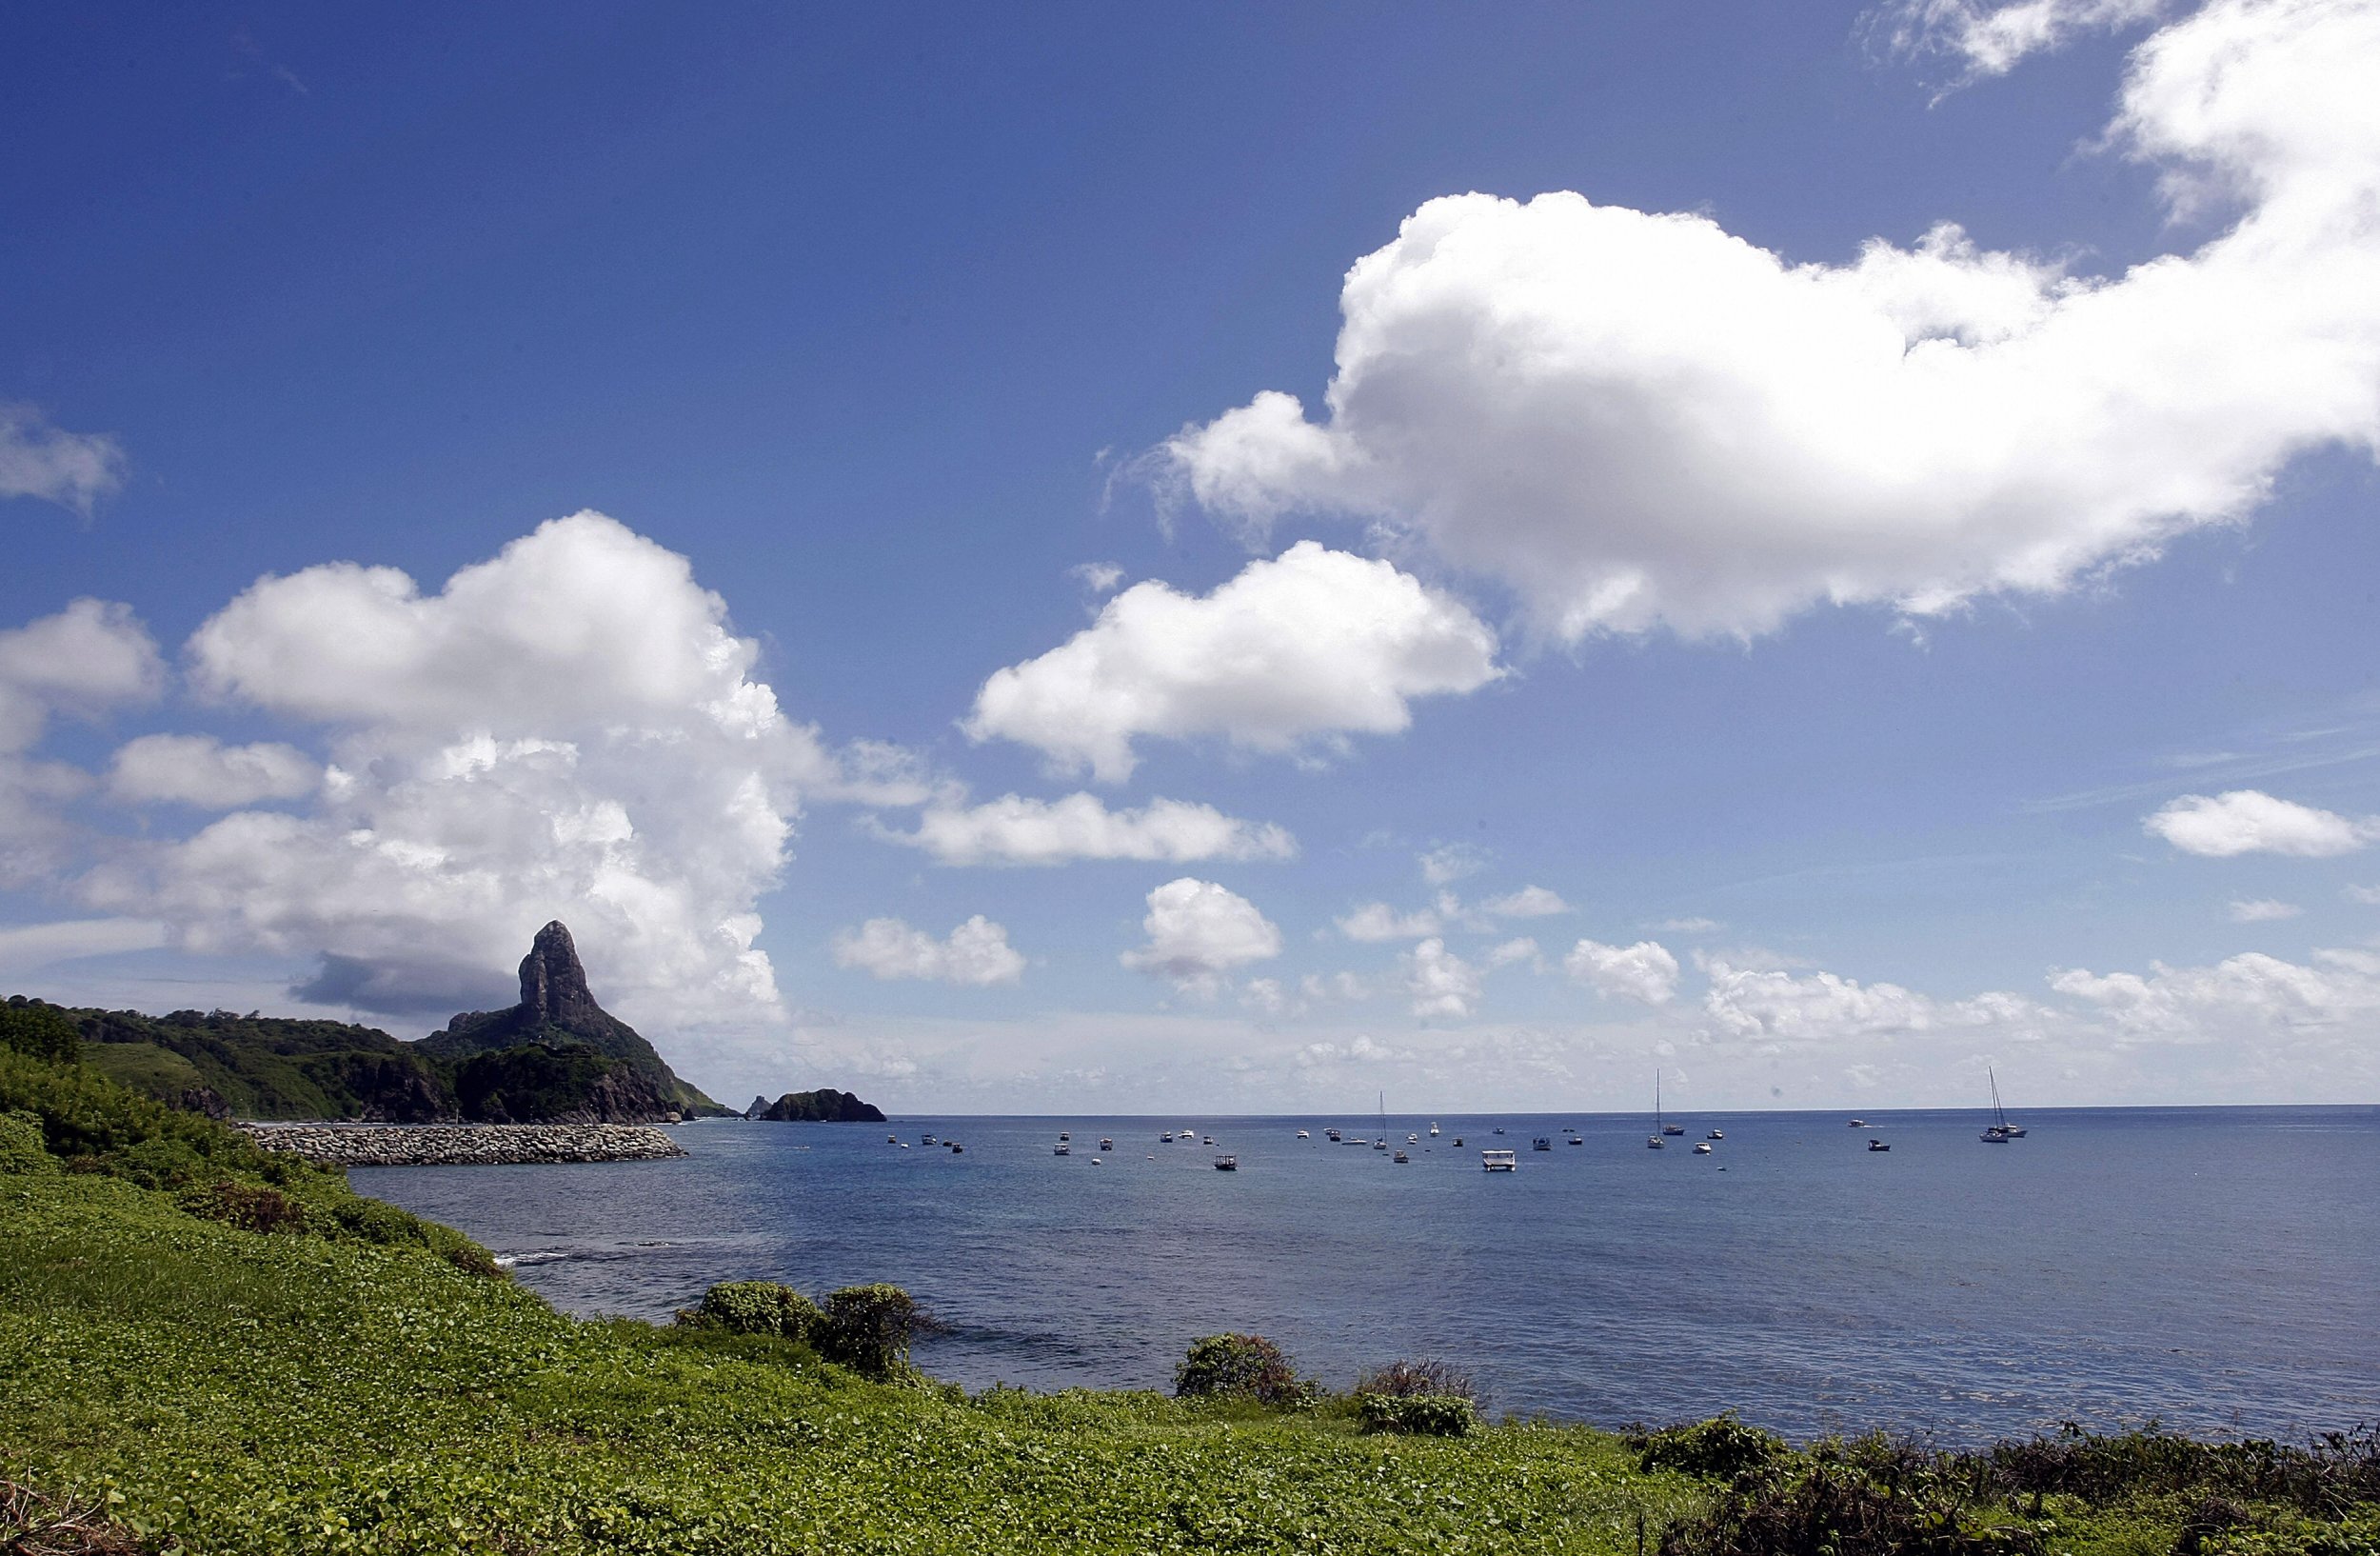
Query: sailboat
point(2001, 1131)
point(1654, 1141)
point(1382, 1143)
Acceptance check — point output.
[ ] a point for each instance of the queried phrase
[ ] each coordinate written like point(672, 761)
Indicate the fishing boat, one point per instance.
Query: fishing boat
point(1105, 1144)
point(1064, 1135)
point(1459, 1141)
point(1227, 1164)
point(1063, 1150)
point(2000, 1115)
point(1541, 1142)
point(956, 1149)
point(1400, 1156)
point(1500, 1160)
point(892, 1140)
point(1878, 1145)
point(1332, 1136)
point(925, 1140)
point(1165, 1139)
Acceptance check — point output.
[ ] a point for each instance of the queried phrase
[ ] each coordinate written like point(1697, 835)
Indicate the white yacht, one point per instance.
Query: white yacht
point(1500, 1160)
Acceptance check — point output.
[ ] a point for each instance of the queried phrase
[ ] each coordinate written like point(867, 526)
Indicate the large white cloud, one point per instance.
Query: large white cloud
point(1015, 830)
point(1645, 971)
point(200, 770)
point(1312, 646)
point(1641, 420)
point(570, 730)
point(38, 459)
point(2241, 998)
point(89, 657)
point(2249, 820)
point(1823, 1007)
point(975, 954)
point(85, 659)
point(1199, 932)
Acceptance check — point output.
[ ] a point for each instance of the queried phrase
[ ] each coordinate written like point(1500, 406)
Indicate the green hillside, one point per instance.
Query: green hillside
point(206, 1350)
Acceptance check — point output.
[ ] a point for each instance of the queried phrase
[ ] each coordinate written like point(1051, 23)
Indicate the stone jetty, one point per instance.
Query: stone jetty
point(465, 1145)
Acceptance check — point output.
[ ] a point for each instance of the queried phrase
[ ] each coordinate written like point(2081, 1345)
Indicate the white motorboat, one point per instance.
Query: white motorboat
point(1703, 1148)
point(1500, 1160)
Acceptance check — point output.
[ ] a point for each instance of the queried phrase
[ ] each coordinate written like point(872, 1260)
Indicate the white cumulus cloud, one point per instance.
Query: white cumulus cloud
point(1530, 902)
point(2248, 821)
point(1645, 971)
point(1199, 932)
point(1823, 1007)
point(85, 660)
point(569, 729)
point(38, 459)
point(1441, 983)
point(1375, 921)
point(1015, 830)
point(202, 771)
point(975, 954)
point(2242, 997)
point(1638, 420)
point(1312, 646)
point(2263, 910)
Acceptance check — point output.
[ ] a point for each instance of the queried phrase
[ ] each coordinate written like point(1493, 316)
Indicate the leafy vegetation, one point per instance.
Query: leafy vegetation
point(206, 1350)
point(1423, 1415)
point(1245, 1367)
point(2141, 1491)
point(38, 1031)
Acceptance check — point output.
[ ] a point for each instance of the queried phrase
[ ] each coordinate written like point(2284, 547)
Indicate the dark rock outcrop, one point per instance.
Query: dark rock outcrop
point(824, 1105)
point(558, 1056)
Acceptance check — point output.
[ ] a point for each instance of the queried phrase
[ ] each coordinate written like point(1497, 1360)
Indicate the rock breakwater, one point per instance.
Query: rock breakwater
point(465, 1145)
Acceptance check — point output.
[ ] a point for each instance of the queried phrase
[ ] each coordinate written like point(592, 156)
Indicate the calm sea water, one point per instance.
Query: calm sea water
point(2217, 1268)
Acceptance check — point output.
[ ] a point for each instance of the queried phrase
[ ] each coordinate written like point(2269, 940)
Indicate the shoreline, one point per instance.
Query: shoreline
point(464, 1144)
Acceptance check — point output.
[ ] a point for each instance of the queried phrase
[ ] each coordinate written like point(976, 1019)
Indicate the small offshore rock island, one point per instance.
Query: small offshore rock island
point(555, 1059)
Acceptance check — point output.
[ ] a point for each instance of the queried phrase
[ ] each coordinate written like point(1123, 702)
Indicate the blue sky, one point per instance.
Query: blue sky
point(1886, 650)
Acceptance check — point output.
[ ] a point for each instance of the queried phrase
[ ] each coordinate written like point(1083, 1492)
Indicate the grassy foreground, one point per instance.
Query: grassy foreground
point(172, 1378)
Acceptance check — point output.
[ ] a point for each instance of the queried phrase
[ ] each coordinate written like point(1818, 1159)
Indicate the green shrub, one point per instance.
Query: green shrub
point(1417, 1415)
point(1402, 1380)
point(20, 1145)
point(868, 1329)
point(757, 1308)
point(1242, 1367)
point(1719, 1448)
point(39, 1032)
point(251, 1207)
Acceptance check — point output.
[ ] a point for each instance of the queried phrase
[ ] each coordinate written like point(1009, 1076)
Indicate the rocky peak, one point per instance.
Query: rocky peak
point(553, 981)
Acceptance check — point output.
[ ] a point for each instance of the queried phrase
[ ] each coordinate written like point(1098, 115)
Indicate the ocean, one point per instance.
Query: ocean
point(2216, 1269)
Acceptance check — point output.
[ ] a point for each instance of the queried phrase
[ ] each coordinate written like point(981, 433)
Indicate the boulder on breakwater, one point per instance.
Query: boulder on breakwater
point(465, 1145)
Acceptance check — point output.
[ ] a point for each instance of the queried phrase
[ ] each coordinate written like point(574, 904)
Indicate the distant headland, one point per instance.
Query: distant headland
point(556, 1057)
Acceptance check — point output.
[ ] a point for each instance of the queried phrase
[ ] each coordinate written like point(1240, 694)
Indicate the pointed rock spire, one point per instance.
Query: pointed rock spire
point(553, 981)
